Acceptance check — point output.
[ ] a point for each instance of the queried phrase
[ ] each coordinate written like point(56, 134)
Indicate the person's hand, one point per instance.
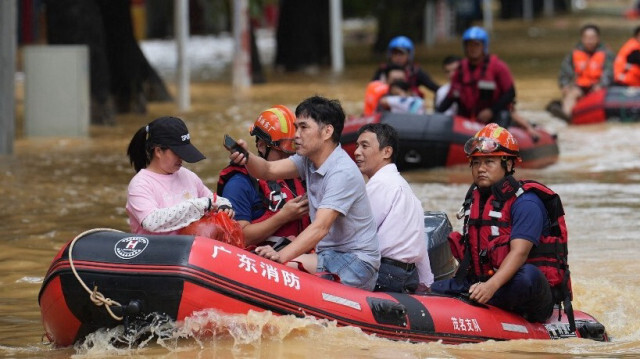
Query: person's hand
point(485, 115)
point(423, 289)
point(221, 204)
point(238, 157)
point(296, 208)
point(230, 212)
point(634, 57)
point(481, 292)
point(268, 252)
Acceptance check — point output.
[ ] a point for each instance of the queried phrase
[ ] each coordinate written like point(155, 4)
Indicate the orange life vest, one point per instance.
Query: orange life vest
point(375, 90)
point(625, 73)
point(588, 67)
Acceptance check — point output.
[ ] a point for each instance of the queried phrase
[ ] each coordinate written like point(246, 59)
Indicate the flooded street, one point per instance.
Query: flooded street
point(55, 188)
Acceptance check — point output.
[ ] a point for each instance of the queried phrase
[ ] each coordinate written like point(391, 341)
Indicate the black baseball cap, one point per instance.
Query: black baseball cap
point(173, 133)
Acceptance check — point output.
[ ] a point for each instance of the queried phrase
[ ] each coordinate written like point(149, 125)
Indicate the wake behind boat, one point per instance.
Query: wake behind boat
point(180, 275)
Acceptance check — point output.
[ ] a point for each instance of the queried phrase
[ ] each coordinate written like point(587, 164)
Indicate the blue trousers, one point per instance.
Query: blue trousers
point(395, 279)
point(527, 293)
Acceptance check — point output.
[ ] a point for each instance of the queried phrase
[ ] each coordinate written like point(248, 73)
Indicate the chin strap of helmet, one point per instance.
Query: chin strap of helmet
point(266, 153)
point(503, 163)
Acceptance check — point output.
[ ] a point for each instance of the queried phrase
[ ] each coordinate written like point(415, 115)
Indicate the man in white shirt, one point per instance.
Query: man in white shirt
point(450, 65)
point(397, 212)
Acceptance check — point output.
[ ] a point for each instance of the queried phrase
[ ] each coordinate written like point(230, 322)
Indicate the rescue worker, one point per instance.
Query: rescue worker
point(267, 208)
point(400, 51)
point(514, 239)
point(626, 67)
point(589, 67)
point(482, 87)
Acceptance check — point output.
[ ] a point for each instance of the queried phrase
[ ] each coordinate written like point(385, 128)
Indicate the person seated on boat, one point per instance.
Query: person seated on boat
point(377, 89)
point(626, 66)
point(482, 87)
point(588, 67)
point(400, 51)
point(501, 228)
point(164, 197)
point(267, 208)
point(404, 267)
point(450, 65)
point(400, 100)
point(342, 229)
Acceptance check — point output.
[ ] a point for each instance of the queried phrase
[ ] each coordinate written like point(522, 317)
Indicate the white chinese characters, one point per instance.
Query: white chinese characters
point(465, 324)
point(266, 270)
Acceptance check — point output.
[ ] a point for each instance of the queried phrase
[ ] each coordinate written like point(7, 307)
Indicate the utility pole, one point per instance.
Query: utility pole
point(181, 21)
point(337, 49)
point(8, 16)
point(242, 45)
point(487, 12)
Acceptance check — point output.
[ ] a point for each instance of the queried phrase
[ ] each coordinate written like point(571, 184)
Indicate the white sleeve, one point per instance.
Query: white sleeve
point(221, 201)
point(172, 218)
point(424, 270)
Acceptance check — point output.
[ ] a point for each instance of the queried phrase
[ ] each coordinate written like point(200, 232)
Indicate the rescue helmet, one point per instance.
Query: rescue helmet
point(275, 127)
point(402, 43)
point(492, 140)
point(479, 34)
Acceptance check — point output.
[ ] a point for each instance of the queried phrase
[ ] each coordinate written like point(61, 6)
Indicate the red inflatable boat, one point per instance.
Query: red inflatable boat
point(437, 140)
point(611, 104)
point(178, 275)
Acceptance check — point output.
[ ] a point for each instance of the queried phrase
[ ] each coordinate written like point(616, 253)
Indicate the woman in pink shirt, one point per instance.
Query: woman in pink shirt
point(163, 196)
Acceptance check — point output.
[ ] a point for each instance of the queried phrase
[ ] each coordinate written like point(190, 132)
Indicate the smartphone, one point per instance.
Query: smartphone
point(231, 145)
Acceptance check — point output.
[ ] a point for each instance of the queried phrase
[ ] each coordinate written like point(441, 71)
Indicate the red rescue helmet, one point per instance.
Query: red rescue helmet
point(492, 140)
point(275, 126)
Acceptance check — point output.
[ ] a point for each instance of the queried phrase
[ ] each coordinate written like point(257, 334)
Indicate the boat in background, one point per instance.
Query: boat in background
point(615, 104)
point(437, 140)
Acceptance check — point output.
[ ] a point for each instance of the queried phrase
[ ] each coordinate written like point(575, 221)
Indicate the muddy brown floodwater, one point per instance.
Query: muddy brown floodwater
point(55, 188)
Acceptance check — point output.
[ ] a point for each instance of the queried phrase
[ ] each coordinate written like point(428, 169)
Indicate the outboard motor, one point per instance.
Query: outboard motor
point(436, 229)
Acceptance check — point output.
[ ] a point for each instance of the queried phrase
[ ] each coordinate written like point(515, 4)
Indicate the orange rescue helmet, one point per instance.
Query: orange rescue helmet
point(492, 140)
point(275, 126)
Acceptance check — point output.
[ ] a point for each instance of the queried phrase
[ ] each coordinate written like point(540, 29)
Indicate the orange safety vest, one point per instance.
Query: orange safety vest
point(372, 96)
point(626, 73)
point(588, 67)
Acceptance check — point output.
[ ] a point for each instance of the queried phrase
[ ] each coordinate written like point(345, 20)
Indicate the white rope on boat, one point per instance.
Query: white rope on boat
point(96, 297)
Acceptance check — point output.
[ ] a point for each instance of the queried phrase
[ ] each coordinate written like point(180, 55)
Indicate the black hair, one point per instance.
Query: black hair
point(324, 111)
point(386, 136)
point(140, 151)
point(403, 85)
point(593, 27)
point(390, 67)
point(450, 59)
point(636, 31)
